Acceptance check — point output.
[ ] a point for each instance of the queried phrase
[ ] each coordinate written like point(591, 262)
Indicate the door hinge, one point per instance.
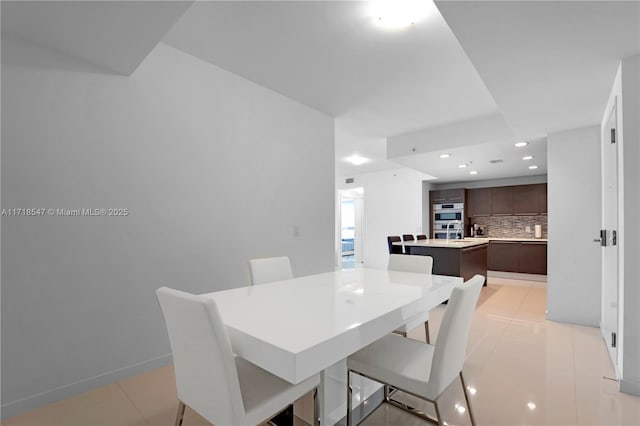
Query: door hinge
point(613, 135)
point(614, 238)
point(613, 339)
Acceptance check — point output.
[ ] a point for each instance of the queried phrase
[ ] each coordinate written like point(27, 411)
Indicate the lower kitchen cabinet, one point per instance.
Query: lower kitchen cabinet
point(504, 256)
point(528, 257)
point(533, 257)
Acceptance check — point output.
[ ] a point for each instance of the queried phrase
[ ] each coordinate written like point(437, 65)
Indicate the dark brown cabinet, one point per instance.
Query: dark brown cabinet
point(502, 200)
point(526, 199)
point(533, 257)
point(504, 256)
point(479, 202)
point(528, 257)
point(440, 196)
point(542, 202)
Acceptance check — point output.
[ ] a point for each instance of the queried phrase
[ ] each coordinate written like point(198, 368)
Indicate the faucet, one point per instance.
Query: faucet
point(449, 223)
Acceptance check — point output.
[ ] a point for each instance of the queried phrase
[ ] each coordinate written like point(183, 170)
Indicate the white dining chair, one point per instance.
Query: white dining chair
point(221, 387)
point(412, 263)
point(419, 369)
point(270, 269)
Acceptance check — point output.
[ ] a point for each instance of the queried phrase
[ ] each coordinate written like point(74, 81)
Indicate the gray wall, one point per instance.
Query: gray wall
point(574, 200)
point(213, 169)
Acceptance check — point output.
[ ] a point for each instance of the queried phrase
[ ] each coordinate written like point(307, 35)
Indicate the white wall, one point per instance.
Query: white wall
point(392, 206)
point(214, 170)
point(574, 199)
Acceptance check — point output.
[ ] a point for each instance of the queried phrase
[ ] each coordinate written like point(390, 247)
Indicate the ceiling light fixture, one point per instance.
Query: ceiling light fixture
point(521, 144)
point(462, 166)
point(445, 155)
point(356, 160)
point(473, 172)
point(533, 167)
point(393, 15)
point(527, 157)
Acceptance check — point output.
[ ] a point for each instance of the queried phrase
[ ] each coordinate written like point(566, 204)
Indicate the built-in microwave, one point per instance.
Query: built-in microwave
point(447, 212)
point(447, 216)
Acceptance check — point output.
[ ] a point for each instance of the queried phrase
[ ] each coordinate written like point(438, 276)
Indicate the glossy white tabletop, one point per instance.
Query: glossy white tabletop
point(297, 328)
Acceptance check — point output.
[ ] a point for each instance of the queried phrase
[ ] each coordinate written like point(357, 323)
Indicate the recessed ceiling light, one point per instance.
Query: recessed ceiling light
point(396, 15)
point(533, 167)
point(473, 172)
point(445, 155)
point(531, 405)
point(527, 157)
point(521, 144)
point(356, 160)
point(462, 166)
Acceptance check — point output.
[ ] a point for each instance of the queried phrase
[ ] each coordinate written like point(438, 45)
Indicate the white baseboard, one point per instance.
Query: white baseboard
point(517, 276)
point(23, 405)
point(630, 387)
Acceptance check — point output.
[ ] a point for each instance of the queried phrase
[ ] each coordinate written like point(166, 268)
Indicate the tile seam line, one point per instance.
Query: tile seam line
point(126, 395)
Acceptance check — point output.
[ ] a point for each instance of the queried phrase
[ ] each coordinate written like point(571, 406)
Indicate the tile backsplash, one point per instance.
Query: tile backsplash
point(510, 226)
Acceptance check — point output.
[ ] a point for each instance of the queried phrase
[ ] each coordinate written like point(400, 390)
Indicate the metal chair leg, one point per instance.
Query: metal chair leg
point(426, 331)
point(349, 392)
point(466, 397)
point(316, 408)
point(438, 416)
point(180, 414)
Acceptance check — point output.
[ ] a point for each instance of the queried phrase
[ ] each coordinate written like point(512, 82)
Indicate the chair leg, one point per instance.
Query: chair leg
point(426, 331)
point(180, 414)
point(438, 416)
point(349, 392)
point(316, 408)
point(466, 397)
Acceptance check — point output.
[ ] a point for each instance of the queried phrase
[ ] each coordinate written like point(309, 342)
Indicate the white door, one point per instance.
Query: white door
point(609, 237)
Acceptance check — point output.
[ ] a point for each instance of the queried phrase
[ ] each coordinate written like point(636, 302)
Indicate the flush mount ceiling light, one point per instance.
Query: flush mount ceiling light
point(445, 155)
point(473, 172)
point(533, 167)
point(393, 15)
point(356, 160)
point(527, 157)
point(462, 166)
point(521, 144)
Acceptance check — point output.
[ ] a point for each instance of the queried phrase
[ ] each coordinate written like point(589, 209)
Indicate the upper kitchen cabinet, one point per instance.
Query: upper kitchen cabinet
point(530, 199)
point(526, 199)
point(479, 202)
point(502, 199)
point(441, 196)
point(542, 194)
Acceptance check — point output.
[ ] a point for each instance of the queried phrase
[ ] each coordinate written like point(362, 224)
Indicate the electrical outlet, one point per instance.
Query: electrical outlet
point(527, 229)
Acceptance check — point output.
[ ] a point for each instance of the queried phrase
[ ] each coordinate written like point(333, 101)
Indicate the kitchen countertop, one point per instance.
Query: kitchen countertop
point(506, 239)
point(457, 244)
point(460, 244)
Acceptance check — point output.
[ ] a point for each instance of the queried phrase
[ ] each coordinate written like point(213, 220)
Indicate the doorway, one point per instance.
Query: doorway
point(608, 236)
point(351, 211)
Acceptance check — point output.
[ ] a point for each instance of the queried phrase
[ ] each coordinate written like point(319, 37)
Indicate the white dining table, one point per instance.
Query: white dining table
point(303, 326)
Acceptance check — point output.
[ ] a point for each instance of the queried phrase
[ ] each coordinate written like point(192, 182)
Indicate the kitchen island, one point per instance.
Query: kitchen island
point(460, 258)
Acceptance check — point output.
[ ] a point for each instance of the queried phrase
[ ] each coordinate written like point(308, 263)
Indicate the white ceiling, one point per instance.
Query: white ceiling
point(548, 65)
point(113, 35)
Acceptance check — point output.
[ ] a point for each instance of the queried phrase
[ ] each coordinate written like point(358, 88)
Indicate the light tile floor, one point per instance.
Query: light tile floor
point(520, 369)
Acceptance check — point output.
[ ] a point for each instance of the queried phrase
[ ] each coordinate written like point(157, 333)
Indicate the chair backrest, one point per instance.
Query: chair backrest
point(394, 249)
point(205, 369)
point(410, 263)
point(451, 344)
point(407, 237)
point(421, 237)
point(270, 269)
